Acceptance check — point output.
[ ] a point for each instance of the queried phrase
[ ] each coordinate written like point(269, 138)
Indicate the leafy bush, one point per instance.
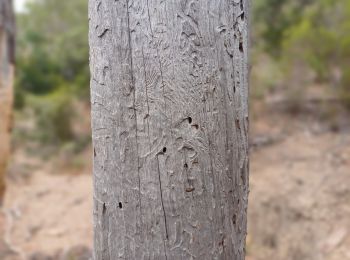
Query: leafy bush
point(53, 114)
point(273, 18)
point(52, 69)
point(321, 40)
point(53, 47)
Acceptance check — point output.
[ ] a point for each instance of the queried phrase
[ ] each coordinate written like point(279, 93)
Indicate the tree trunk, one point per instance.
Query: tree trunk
point(7, 33)
point(169, 95)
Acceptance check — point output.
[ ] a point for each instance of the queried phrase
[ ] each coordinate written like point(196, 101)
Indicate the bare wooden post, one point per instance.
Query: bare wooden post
point(169, 95)
point(7, 32)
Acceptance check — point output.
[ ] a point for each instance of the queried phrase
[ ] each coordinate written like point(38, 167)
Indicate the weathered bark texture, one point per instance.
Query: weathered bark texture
point(169, 97)
point(7, 32)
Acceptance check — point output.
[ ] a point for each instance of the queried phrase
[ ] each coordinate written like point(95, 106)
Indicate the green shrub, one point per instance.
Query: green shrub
point(53, 115)
point(321, 41)
point(53, 47)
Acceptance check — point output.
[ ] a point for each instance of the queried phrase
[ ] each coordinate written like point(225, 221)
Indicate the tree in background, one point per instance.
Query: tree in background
point(7, 45)
point(169, 95)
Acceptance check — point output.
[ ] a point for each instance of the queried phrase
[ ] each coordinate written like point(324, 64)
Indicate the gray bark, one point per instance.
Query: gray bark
point(169, 95)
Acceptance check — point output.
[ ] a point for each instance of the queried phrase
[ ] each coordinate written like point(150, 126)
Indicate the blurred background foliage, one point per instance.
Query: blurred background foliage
point(52, 35)
point(52, 67)
point(295, 45)
point(306, 43)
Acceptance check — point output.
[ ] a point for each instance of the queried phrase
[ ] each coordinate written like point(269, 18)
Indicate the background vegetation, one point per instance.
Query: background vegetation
point(306, 42)
point(296, 45)
point(298, 205)
point(52, 68)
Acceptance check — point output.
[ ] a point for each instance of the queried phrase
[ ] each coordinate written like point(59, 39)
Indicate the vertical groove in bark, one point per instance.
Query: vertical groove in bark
point(170, 128)
point(135, 114)
point(161, 201)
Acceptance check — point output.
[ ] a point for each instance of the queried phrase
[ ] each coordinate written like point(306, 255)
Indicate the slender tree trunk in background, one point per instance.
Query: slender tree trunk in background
point(169, 95)
point(7, 32)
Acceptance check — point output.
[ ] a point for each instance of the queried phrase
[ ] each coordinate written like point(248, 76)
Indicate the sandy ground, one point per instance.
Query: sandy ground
point(299, 200)
point(48, 210)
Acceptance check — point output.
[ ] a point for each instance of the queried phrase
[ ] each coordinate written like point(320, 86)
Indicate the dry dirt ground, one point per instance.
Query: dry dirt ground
point(299, 200)
point(47, 210)
point(300, 191)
